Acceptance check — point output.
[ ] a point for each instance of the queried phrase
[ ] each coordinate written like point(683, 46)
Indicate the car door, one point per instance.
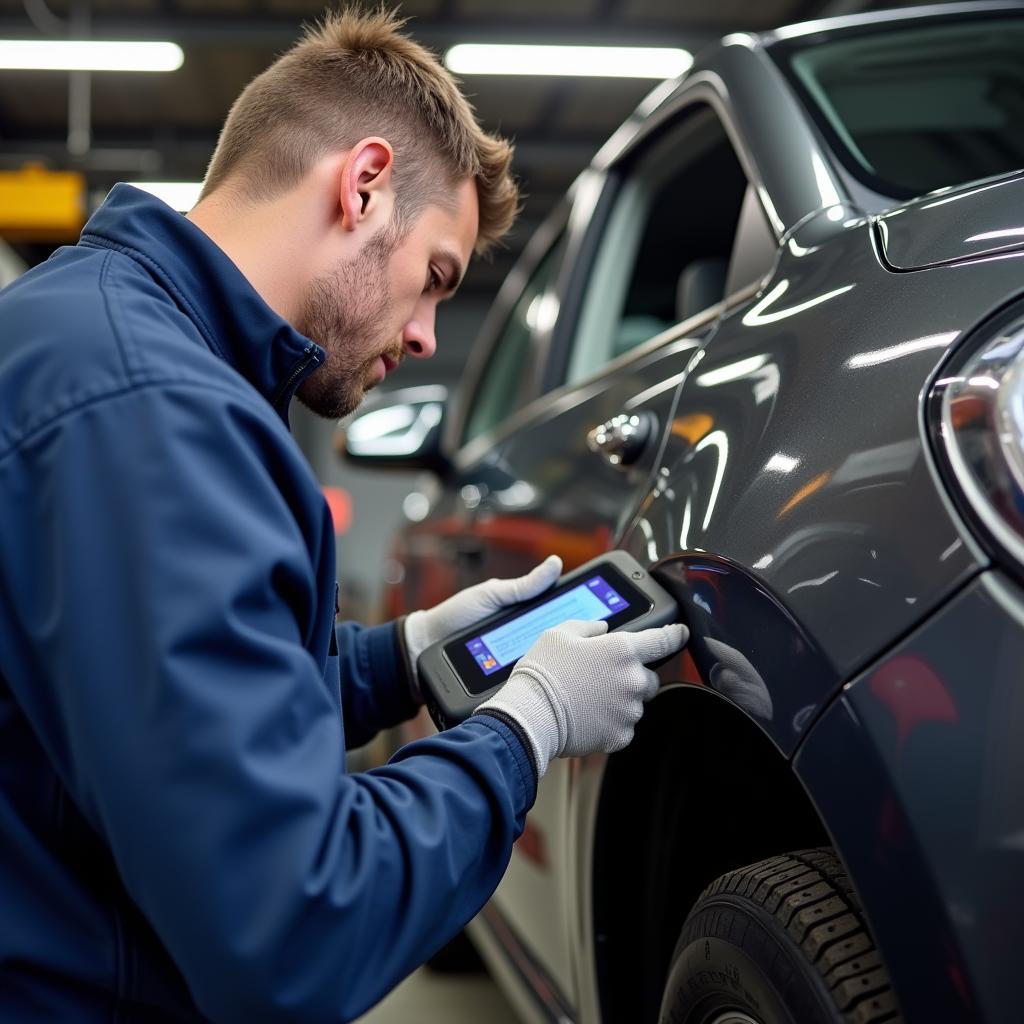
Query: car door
point(677, 229)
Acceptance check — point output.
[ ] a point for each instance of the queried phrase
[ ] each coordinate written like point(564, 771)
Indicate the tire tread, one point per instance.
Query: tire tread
point(809, 895)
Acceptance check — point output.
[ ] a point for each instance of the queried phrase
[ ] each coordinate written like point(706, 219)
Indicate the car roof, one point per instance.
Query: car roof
point(726, 58)
point(848, 22)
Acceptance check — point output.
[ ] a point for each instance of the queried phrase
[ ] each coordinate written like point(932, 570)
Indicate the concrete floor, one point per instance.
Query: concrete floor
point(426, 997)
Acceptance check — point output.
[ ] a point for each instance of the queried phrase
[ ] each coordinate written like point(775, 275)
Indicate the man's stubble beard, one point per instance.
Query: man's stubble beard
point(348, 310)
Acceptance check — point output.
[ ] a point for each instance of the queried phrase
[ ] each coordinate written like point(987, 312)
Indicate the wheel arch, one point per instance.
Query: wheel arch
point(702, 790)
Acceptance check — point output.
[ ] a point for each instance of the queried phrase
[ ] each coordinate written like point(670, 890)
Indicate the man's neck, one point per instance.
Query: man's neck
point(263, 241)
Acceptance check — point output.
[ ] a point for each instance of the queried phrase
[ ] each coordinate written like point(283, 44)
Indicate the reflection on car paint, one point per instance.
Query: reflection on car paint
point(820, 581)
point(904, 348)
point(746, 644)
point(757, 317)
point(734, 677)
point(804, 492)
point(780, 463)
point(913, 691)
point(735, 371)
point(691, 427)
point(720, 441)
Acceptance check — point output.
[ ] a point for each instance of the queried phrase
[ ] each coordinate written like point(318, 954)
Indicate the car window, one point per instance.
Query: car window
point(915, 109)
point(499, 391)
point(668, 249)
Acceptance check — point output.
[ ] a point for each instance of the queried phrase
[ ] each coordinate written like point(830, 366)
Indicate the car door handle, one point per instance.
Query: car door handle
point(622, 439)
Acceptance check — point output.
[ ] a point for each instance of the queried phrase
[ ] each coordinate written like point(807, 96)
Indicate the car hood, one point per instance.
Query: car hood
point(952, 225)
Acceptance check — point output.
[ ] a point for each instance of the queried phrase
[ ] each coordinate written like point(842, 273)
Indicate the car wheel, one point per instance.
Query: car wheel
point(783, 941)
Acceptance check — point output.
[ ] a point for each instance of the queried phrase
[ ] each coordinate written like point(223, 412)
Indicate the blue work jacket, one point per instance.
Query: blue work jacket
point(179, 838)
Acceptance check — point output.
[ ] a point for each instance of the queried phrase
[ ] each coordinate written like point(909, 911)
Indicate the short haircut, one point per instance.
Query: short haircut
point(354, 75)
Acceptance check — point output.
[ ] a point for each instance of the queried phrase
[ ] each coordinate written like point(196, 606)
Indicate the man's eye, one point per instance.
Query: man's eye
point(433, 281)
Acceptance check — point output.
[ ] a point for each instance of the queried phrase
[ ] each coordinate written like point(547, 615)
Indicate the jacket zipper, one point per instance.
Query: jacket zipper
point(289, 383)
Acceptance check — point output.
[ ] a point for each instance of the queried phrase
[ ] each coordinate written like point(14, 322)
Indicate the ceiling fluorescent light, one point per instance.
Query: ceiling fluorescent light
point(88, 55)
point(182, 195)
point(594, 61)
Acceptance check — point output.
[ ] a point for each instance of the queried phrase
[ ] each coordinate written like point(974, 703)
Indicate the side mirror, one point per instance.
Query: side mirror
point(400, 431)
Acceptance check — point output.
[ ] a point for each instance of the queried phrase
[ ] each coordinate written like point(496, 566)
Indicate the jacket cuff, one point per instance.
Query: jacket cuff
point(386, 664)
point(522, 750)
point(408, 669)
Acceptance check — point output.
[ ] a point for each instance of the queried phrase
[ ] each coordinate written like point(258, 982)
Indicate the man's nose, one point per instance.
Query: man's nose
point(418, 338)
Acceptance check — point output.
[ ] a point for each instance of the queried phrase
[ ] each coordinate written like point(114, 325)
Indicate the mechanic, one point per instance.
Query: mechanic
point(180, 838)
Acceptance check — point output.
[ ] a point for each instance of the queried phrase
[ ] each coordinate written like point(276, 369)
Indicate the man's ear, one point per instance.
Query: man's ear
point(365, 180)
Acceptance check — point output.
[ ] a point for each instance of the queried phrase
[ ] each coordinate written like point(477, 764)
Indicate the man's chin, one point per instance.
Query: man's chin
point(338, 402)
point(331, 406)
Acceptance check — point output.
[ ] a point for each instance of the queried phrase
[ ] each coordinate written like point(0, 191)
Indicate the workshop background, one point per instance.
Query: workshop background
point(67, 137)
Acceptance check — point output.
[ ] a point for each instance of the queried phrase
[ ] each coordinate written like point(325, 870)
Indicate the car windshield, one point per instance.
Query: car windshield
point(910, 110)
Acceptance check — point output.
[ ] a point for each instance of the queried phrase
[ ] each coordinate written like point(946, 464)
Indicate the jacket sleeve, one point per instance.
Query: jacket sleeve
point(375, 689)
point(162, 602)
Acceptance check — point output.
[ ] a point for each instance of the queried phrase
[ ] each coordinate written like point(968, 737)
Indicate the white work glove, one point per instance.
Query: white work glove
point(424, 628)
point(579, 690)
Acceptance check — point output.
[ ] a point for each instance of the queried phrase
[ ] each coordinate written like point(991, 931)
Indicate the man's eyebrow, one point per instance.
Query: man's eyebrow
point(452, 258)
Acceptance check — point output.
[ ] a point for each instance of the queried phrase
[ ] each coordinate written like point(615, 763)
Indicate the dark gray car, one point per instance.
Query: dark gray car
point(791, 288)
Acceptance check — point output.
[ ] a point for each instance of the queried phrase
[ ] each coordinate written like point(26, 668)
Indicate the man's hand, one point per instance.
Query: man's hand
point(579, 690)
point(473, 604)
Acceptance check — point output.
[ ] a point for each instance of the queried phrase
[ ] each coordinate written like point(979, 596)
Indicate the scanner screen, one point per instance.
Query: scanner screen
point(590, 600)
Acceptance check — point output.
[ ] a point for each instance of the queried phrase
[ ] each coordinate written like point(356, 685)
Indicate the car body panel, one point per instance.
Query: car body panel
point(777, 676)
point(955, 224)
point(917, 772)
point(896, 16)
point(814, 475)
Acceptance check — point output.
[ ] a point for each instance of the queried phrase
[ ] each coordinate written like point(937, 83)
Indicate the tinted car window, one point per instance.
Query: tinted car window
point(666, 251)
point(498, 393)
point(917, 109)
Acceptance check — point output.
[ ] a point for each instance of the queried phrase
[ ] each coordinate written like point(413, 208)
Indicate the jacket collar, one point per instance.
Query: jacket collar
point(205, 284)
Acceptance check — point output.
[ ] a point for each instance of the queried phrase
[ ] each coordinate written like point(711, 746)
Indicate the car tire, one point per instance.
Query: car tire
point(783, 941)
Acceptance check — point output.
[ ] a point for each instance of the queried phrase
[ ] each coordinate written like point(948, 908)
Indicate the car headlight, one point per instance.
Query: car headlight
point(979, 408)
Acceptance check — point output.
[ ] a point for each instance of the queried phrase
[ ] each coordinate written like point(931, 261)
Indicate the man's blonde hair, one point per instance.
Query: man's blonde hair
point(351, 76)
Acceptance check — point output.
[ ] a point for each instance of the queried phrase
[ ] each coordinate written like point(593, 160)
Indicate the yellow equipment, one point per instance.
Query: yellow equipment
point(41, 205)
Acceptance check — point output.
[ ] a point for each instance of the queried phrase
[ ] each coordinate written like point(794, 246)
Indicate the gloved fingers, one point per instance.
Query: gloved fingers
point(652, 644)
point(622, 739)
point(539, 578)
point(578, 627)
point(651, 683)
point(542, 577)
